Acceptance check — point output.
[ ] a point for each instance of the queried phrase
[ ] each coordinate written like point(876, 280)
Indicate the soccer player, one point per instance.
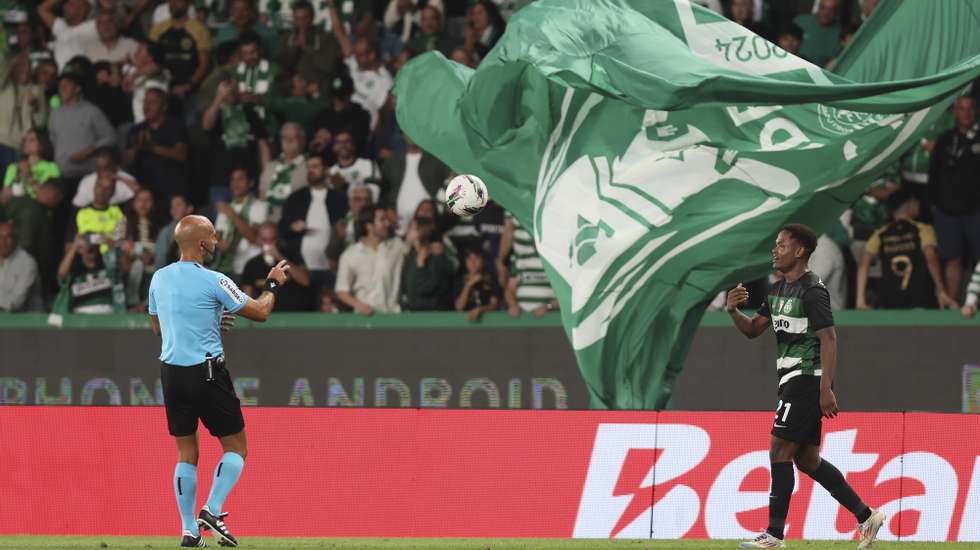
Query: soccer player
point(798, 308)
point(187, 302)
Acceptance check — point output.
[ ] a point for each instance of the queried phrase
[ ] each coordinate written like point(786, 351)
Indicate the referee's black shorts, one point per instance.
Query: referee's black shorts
point(188, 396)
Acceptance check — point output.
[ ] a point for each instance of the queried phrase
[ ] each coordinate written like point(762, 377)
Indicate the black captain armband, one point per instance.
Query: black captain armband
point(273, 286)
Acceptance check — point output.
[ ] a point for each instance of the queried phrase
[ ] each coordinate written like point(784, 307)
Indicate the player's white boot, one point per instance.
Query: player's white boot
point(765, 540)
point(869, 529)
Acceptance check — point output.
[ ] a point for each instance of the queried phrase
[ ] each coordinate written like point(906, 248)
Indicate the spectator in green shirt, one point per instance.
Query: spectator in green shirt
point(34, 167)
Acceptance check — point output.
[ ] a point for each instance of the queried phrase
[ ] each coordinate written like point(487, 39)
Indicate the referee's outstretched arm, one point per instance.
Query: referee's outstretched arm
point(260, 308)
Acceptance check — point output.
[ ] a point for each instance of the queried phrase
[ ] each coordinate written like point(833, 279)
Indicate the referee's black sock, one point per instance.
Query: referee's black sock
point(832, 480)
point(779, 495)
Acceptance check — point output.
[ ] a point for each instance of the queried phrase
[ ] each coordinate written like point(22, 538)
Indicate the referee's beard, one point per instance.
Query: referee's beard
point(207, 255)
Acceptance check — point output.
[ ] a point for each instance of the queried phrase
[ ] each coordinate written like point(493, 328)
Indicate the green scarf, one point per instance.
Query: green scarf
point(224, 260)
point(235, 130)
point(282, 181)
point(63, 302)
point(256, 80)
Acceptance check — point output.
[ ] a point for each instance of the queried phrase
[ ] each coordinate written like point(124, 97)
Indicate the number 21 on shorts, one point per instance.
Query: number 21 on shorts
point(785, 409)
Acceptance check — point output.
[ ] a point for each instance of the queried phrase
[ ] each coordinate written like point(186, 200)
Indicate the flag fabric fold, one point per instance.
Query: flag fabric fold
point(655, 148)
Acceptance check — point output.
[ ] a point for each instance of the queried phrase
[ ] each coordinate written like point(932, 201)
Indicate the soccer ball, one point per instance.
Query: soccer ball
point(466, 195)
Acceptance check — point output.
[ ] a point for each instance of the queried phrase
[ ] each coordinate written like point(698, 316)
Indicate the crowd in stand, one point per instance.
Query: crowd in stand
point(276, 120)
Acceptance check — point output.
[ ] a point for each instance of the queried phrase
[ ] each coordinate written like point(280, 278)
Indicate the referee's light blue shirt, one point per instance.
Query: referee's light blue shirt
point(188, 300)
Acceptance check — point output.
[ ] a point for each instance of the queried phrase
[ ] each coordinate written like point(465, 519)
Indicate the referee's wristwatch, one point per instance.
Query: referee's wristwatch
point(272, 285)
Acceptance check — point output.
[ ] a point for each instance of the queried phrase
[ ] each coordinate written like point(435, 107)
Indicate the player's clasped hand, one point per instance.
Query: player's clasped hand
point(736, 296)
point(279, 273)
point(969, 310)
point(828, 403)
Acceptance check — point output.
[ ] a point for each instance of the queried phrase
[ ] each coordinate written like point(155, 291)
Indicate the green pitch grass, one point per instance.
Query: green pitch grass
point(150, 543)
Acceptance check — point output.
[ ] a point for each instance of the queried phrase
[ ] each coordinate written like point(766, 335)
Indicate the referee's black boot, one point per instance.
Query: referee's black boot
point(207, 520)
point(190, 541)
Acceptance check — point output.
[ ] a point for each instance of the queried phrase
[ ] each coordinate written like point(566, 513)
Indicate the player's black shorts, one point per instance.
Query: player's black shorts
point(188, 396)
point(798, 416)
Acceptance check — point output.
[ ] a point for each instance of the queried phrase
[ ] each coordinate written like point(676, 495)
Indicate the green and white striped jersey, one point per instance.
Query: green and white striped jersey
point(973, 289)
point(533, 288)
point(797, 311)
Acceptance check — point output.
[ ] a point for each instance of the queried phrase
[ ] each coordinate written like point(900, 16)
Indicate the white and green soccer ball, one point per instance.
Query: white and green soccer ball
point(466, 195)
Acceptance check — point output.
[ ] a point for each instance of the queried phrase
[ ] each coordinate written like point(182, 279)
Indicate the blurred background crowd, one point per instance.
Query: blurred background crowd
point(276, 120)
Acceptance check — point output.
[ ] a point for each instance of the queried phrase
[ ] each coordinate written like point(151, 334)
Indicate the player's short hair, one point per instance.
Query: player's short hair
point(803, 235)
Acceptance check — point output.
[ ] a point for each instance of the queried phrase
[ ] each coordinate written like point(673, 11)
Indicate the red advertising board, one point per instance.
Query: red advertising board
point(489, 473)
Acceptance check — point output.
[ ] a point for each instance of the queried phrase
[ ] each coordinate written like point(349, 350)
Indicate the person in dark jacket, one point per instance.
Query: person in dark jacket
point(308, 216)
point(955, 192)
point(427, 272)
point(341, 114)
point(408, 179)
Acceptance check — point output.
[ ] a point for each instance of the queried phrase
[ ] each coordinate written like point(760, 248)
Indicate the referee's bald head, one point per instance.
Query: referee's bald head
point(191, 232)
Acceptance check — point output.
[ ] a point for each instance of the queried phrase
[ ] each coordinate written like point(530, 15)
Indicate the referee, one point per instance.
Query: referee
point(186, 308)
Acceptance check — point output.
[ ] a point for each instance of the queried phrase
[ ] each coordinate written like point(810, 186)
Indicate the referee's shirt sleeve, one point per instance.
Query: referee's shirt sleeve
point(228, 293)
point(816, 301)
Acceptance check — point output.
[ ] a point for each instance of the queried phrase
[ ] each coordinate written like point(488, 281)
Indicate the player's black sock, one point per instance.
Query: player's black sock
point(779, 494)
point(832, 480)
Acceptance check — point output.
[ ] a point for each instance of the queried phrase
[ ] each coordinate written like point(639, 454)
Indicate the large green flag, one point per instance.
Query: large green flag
point(656, 148)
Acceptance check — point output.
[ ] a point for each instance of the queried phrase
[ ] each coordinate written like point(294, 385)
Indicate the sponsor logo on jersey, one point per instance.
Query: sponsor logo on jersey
point(230, 289)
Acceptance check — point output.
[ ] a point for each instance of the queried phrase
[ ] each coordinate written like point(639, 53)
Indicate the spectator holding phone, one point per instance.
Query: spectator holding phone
point(105, 223)
point(85, 280)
